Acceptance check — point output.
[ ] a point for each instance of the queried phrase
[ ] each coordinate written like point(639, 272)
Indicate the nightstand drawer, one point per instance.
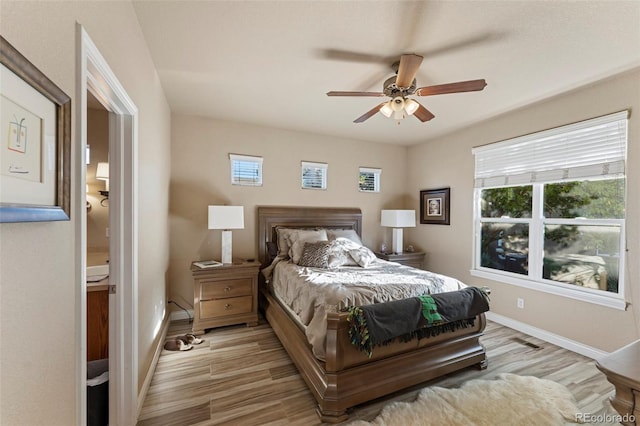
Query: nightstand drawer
point(225, 307)
point(227, 288)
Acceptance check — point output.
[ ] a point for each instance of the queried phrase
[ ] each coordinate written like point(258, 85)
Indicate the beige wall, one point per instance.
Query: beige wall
point(37, 260)
point(200, 176)
point(450, 247)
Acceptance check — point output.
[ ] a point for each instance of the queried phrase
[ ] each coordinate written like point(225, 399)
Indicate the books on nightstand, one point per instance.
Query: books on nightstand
point(204, 264)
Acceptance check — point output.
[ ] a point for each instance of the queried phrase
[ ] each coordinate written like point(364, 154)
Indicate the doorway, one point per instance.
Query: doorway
point(97, 237)
point(96, 77)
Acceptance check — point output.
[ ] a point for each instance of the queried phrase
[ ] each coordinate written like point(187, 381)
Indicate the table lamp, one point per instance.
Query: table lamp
point(398, 219)
point(226, 218)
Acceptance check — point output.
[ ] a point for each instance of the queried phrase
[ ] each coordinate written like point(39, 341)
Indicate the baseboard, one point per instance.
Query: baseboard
point(154, 362)
point(181, 315)
point(552, 338)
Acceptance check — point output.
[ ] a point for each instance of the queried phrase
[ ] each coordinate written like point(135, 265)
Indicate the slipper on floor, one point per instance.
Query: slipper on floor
point(177, 345)
point(193, 339)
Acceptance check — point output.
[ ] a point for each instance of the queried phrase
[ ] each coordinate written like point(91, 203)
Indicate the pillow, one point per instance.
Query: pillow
point(316, 255)
point(298, 238)
point(344, 233)
point(363, 256)
point(272, 250)
point(283, 242)
point(339, 252)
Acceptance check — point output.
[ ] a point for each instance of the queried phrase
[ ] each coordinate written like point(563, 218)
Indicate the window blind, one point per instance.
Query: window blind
point(314, 175)
point(246, 170)
point(369, 179)
point(590, 148)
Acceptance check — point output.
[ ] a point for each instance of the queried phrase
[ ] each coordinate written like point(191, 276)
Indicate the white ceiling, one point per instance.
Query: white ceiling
point(269, 63)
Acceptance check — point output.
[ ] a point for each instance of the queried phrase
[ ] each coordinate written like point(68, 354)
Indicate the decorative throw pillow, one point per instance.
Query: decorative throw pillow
point(344, 233)
point(299, 238)
point(339, 253)
point(363, 256)
point(316, 255)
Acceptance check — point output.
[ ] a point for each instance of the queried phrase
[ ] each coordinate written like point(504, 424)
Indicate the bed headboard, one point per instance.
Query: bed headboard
point(270, 218)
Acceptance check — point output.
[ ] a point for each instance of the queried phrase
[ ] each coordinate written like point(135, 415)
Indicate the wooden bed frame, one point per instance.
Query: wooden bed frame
point(348, 377)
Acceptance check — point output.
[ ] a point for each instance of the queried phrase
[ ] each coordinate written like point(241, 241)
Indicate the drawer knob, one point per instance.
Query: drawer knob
point(227, 289)
point(227, 307)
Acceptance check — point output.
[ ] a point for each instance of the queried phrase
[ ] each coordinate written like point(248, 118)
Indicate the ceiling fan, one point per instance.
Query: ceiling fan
point(402, 85)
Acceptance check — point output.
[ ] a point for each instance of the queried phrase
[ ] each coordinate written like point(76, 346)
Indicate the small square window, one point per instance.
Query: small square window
point(314, 175)
point(369, 179)
point(246, 170)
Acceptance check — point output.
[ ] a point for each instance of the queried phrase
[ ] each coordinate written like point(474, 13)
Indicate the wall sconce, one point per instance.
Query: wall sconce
point(398, 219)
point(102, 173)
point(226, 218)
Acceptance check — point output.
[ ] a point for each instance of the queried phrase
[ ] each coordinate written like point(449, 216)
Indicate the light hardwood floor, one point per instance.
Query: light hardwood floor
point(242, 376)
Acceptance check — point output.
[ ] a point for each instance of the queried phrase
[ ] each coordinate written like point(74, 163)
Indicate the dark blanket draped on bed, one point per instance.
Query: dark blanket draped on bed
point(429, 315)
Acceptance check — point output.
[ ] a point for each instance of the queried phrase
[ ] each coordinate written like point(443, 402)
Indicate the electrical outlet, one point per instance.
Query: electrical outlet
point(106, 232)
point(520, 303)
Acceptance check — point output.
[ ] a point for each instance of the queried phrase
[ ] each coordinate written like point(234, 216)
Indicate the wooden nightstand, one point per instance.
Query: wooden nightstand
point(225, 295)
point(415, 259)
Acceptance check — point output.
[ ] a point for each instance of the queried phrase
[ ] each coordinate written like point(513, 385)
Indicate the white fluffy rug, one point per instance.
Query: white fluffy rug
point(508, 400)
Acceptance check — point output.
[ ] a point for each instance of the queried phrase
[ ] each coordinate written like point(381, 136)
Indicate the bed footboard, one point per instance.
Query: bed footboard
point(349, 377)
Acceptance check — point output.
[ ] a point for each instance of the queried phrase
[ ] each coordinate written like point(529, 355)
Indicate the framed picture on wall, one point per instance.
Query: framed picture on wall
point(434, 206)
point(35, 142)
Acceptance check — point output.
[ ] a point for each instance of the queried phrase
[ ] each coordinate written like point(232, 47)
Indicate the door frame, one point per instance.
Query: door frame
point(95, 75)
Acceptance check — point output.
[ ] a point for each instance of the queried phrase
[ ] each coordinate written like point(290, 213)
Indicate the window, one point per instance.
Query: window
point(550, 210)
point(314, 175)
point(369, 179)
point(246, 170)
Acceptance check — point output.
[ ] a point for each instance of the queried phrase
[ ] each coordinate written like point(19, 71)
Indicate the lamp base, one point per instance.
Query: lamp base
point(397, 240)
point(226, 247)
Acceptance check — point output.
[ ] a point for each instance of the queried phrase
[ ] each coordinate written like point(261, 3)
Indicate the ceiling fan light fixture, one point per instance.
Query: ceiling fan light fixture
point(397, 103)
point(398, 115)
point(410, 106)
point(386, 109)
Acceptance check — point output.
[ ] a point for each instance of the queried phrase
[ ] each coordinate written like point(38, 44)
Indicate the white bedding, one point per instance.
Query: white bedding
point(310, 293)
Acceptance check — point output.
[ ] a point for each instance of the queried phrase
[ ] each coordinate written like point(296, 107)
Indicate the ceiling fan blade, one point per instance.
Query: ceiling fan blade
point(423, 114)
point(350, 56)
point(338, 93)
point(461, 86)
point(462, 44)
point(367, 115)
point(407, 69)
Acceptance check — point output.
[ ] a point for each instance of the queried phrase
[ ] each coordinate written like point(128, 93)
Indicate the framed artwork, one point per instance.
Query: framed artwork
point(434, 206)
point(35, 142)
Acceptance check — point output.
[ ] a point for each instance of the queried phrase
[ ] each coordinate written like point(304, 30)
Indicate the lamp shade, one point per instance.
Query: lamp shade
point(386, 109)
point(410, 106)
point(226, 217)
point(398, 218)
point(102, 171)
point(397, 103)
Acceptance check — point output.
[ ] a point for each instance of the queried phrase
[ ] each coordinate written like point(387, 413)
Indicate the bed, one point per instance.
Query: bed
point(344, 376)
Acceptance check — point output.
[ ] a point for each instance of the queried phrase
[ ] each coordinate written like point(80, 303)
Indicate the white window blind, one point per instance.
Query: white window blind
point(590, 148)
point(369, 179)
point(246, 170)
point(314, 175)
